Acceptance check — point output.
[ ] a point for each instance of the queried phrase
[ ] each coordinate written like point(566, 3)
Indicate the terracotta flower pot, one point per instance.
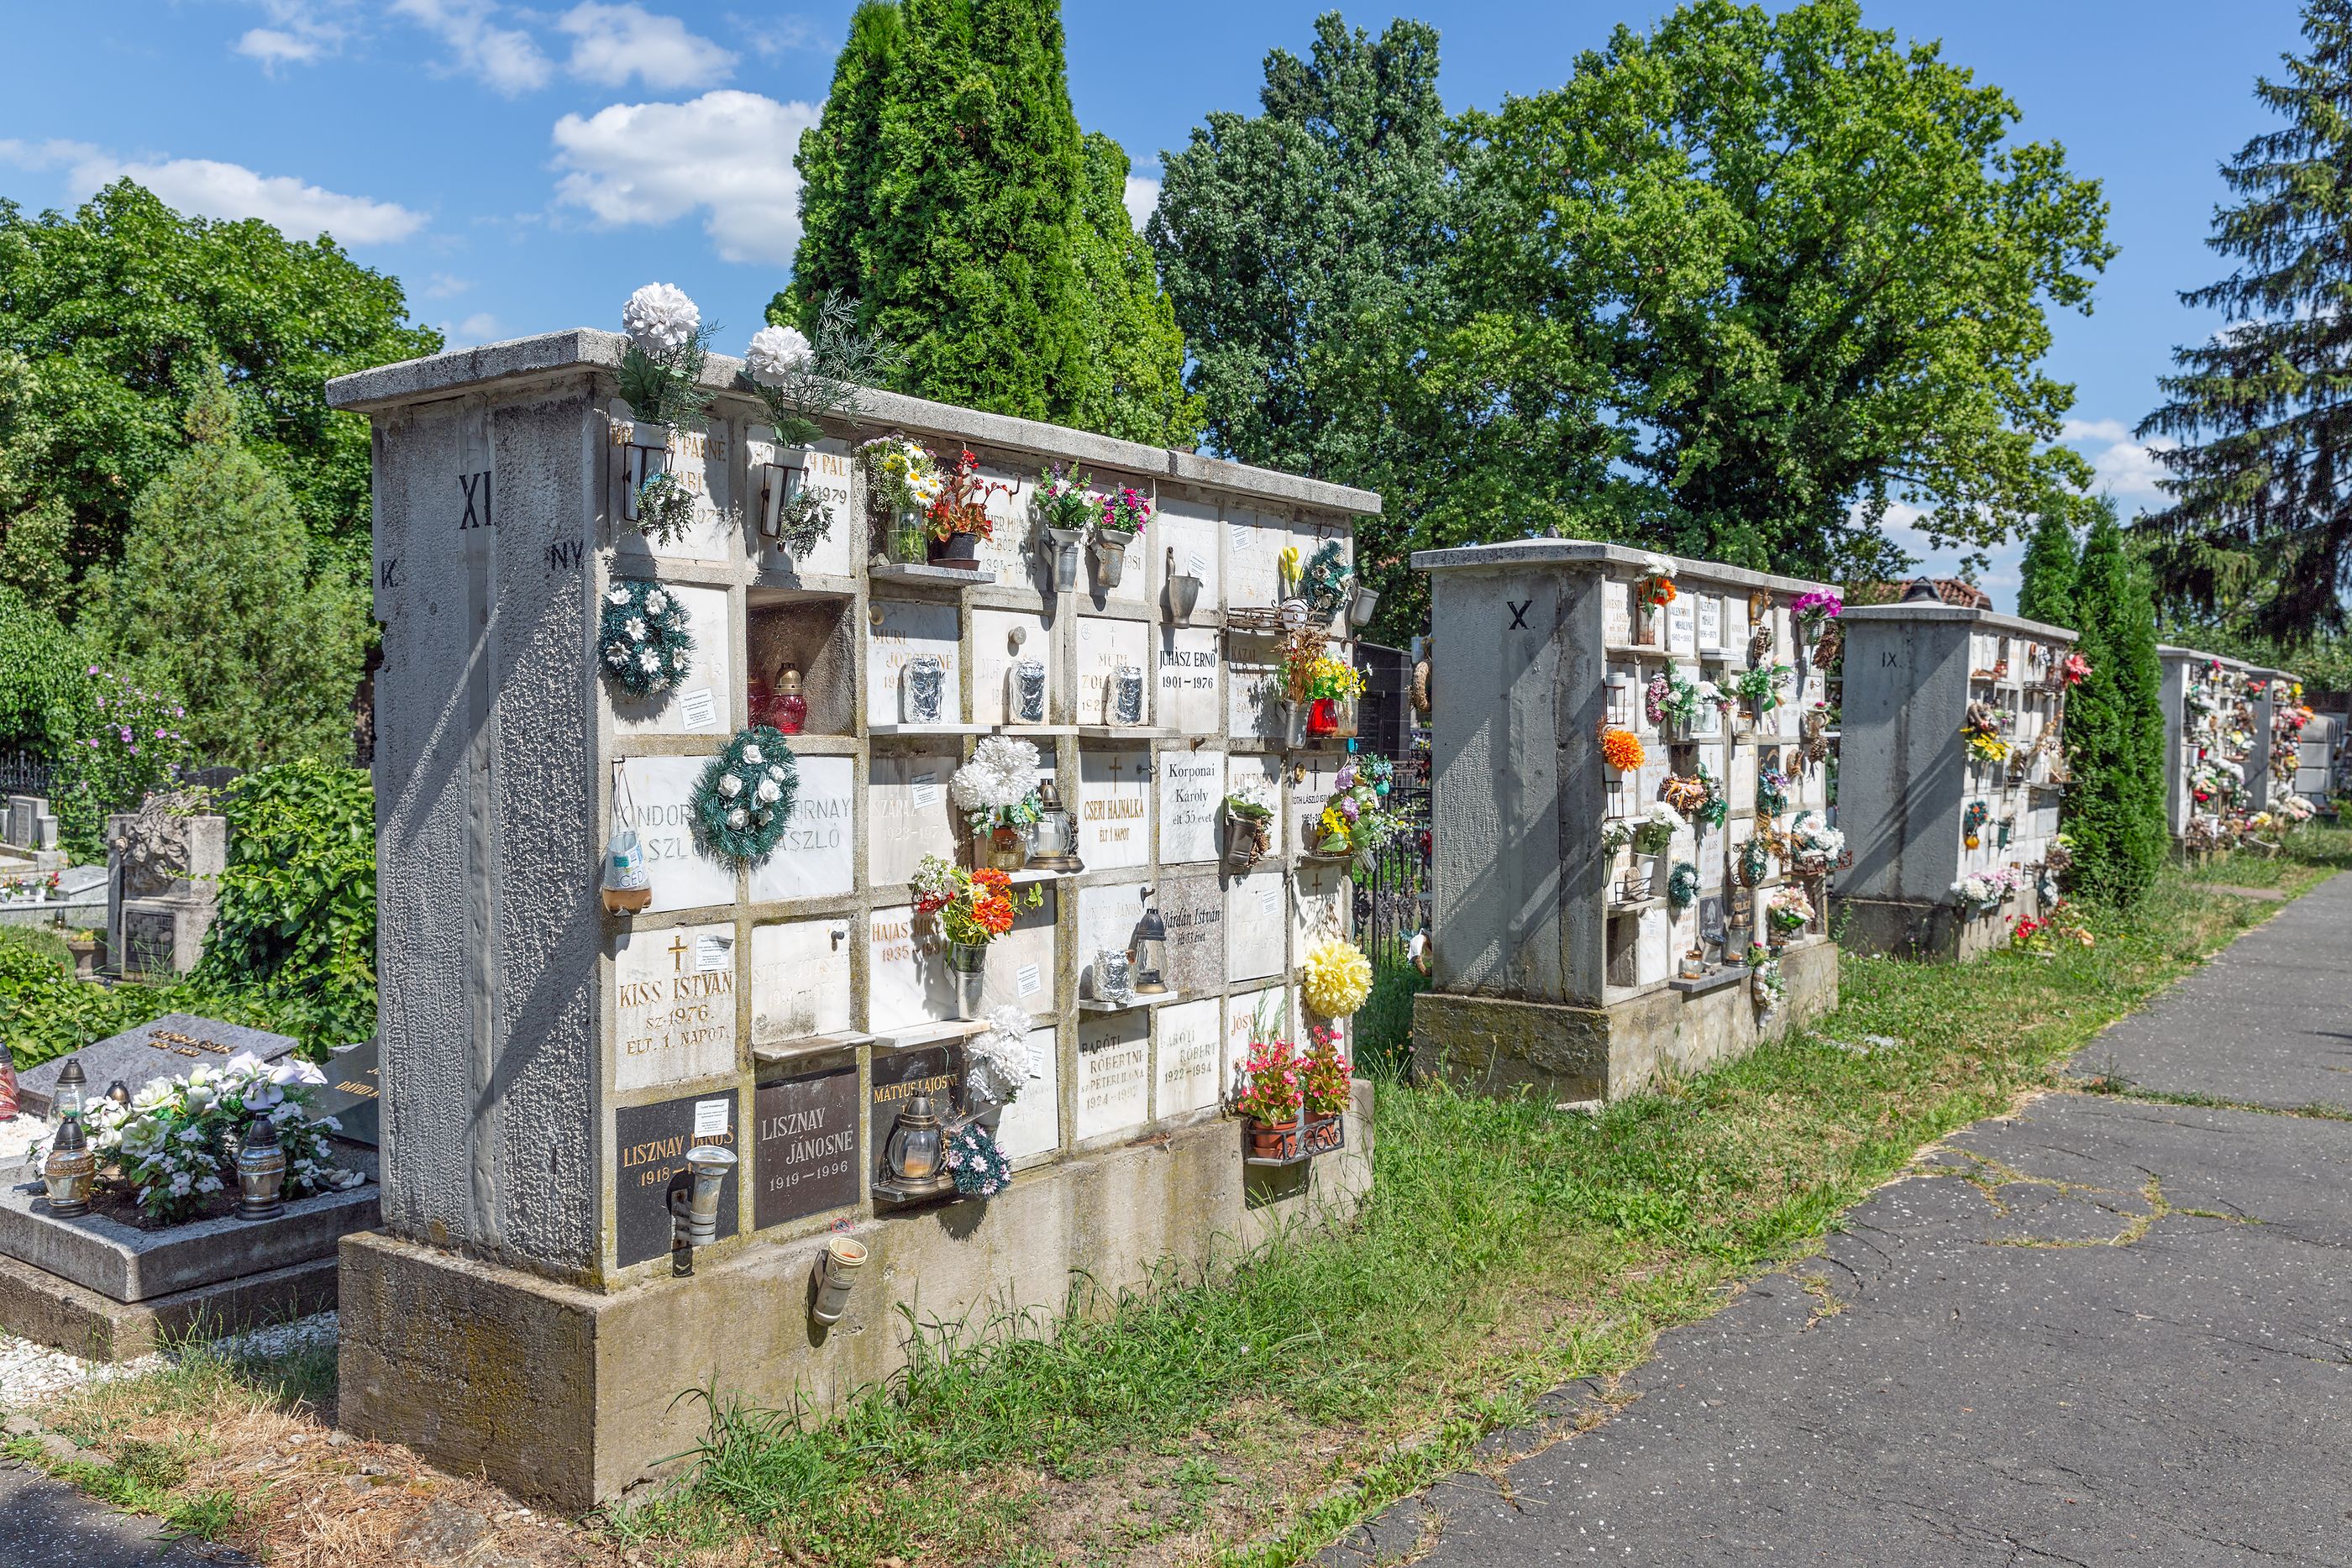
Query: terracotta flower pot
point(1277, 1141)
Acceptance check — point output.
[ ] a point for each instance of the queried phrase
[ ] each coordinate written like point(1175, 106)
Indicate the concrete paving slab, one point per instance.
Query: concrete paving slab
point(2267, 1022)
point(46, 1521)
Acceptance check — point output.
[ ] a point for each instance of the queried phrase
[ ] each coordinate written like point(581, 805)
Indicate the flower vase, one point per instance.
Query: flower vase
point(968, 965)
point(1004, 849)
point(1110, 555)
point(1274, 1141)
point(1343, 714)
point(1323, 717)
point(910, 537)
point(1294, 723)
point(1244, 842)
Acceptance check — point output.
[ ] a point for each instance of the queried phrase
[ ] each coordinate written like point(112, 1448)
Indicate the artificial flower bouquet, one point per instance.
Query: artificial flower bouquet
point(1063, 502)
point(997, 793)
point(1655, 829)
point(1813, 609)
point(1788, 910)
point(1334, 977)
point(174, 1145)
point(1355, 819)
point(1815, 849)
point(974, 907)
point(1125, 513)
point(1621, 749)
point(902, 481)
point(1771, 791)
point(962, 506)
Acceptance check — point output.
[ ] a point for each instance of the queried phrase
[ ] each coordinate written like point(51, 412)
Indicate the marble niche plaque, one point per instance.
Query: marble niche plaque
point(1253, 691)
point(907, 983)
point(1107, 919)
point(1114, 809)
point(909, 814)
point(1319, 904)
point(1616, 612)
point(1184, 1076)
point(898, 1076)
point(1256, 920)
point(1032, 1125)
point(1000, 639)
point(1105, 647)
point(1253, 547)
point(1710, 622)
point(1734, 625)
point(1193, 906)
point(806, 1147)
point(1263, 775)
point(674, 1018)
point(700, 461)
point(827, 473)
point(800, 981)
point(1185, 535)
point(1188, 680)
point(1682, 625)
point(1021, 962)
point(1251, 1017)
point(652, 1140)
point(907, 630)
point(1008, 555)
point(1192, 783)
point(653, 795)
point(817, 854)
point(703, 703)
point(1114, 1082)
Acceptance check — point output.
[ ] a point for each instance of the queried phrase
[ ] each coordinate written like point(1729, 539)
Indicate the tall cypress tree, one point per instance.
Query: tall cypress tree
point(839, 161)
point(2261, 524)
point(2114, 729)
point(1134, 385)
point(2047, 593)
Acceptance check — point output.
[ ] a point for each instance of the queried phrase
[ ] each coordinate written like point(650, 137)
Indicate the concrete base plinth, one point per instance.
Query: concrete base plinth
point(49, 1309)
point(1940, 933)
point(569, 1396)
point(1498, 1046)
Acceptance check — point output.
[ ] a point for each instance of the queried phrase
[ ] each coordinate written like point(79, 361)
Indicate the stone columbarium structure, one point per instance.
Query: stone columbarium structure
point(1954, 825)
point(558, 1066)
point(1628, 847)
point(2219, 714)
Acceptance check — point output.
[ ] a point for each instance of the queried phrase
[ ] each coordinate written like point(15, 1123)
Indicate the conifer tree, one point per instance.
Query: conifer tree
point(2047, 593)
point(1134, 388)
point(2114, 729)
point(216, 598)
point(2260, 525)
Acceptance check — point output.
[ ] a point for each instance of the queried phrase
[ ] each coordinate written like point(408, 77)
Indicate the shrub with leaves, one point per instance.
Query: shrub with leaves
point(129, 744)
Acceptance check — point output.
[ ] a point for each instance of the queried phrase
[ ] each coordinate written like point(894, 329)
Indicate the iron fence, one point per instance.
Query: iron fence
point(24, 773)
point(1392, 886)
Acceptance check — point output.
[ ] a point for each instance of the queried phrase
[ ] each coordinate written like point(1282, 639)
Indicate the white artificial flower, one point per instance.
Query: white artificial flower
point(737, 818)
point(657, 601)
point(752, 754)
point(199, 1097)
point(329, 1124)
point(289, 1112)
point(660, 320)
point(617, 596)
point(243, 1062)
point(636, 627)
point(768, 791)
point(997, 1061)
point(729, 786)
point(157, 1092)
point(776, 771)
point(776, 353)
point(263, 1096)
point(617, 655)
point(649, 661)
point(1002, 772)
point(294, 1069)
point(1657, 565)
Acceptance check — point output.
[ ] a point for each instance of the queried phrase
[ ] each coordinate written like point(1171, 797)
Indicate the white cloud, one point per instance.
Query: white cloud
point(218, 189)
point(613, 43)
point(480, 327)
point(445, 285)
point(504, 58)
point(772, 37)
point(1142, 195)
point(2125, 468)
point(727, 152)
point(300, 33)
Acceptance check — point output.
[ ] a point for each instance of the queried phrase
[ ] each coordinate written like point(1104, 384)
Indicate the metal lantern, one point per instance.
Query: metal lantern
point(913, 1159)
point(1054, 840)
point(646, 457)
point(1114, 976)
point(779, 483)
point(1060, 550)
point(1126, 695)
point(119, 1093)
point(1151, 952)
point(1029, 690)
point(70, 1172)
point(72, 1094)
point(260, 1172)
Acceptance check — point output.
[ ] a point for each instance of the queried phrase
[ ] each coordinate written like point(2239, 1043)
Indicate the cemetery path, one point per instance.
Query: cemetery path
point(46, 1523)
point(2099, 1331)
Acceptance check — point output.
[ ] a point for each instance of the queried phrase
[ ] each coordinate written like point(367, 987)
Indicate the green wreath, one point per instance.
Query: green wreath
point(646, 648)
point(1755, 862)
point(1682, 886)
point(744, 797)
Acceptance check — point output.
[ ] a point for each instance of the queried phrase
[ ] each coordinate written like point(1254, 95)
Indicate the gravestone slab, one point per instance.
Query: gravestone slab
point(1105, 648)
point(908, 813)
point(674, 1018)
point(1191, 785)
point(1193, 909)
point(1000, 639)
point(800, 981)
point(807, 1149)
point(653, 795)
point(1257, 919)
point(898, 1076)
point(1188, 680)
point(1184, 1062)
point(816, 856)
point(1032, 1125)
point(1186, 532)
point(1113, 1086)
point(353, 1093)
point(173, 1046)
point(907, 630)
point(1020, 971)
point(1114, 809)
point(652, 1140)
point(701, 705)
point(1251, 1017)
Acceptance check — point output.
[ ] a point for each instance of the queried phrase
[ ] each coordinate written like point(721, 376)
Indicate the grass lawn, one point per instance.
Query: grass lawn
point(1507, 1248)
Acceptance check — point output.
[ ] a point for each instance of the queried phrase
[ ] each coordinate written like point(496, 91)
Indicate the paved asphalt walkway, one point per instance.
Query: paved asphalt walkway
point(2099, 1333)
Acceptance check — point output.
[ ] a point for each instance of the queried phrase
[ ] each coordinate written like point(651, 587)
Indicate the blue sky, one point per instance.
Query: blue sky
point(522, 168)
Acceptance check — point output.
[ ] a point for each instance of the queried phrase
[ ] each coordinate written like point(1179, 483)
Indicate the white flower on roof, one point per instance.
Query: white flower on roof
point(775, 353)
point(660, 320)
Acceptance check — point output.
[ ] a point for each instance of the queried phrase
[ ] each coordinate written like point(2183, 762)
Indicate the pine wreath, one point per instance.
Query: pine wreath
point(644, 643)
point(1324, 584)
point(745, 797)
point(1682, 886)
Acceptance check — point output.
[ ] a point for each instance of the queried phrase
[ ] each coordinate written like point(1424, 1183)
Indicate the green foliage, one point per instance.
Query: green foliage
point(118, 307)
point(1302, 249)
point(2259, 529)
point(1748, 279)
point(43, 679)
point(127, 744)
point(948, 192)
point(297, 921)
point(214, 600)
point(2047, 594)
point(2115, 813)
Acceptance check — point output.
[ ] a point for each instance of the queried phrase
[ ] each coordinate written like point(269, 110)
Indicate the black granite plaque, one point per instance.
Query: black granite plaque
point(1711, 928)
point(652, 1140)
point(898, 1075)
point(350, 1096)
point(807, 1145)
point(173, 1046)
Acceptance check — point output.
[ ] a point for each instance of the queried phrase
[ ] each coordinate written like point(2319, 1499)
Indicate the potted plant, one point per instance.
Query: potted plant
point(1125, 512)
point(959, 516)
point(902, 480)
point(1323, 1091)
point(973, 909)
point(86, 947)
point(997, 792)
point(1271, 1097)
point(1249, 824)
point(1761, 686)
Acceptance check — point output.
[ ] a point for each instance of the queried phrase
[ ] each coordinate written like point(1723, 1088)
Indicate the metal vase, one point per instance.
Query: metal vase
point(1110, 555)
point(967, 964)
point(1363, 607)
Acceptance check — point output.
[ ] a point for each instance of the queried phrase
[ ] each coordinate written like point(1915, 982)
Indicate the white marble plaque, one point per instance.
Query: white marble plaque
point(1107, 920)
point(674, 1005)
point(1032, 1125)
point(700, 459)
point(1256, 920)
point(800, 979)
point(1192, 783)
point(994, 652)
point(1008, 555)
point(815, 857)
point(1616, 612)
point(1249, 1018)
point(1020, 971)
point(1682, 625)
point(1104, 647)
point(1114, 1082)
point(1184, 1076)
point(1735, 624)
point(908, 630)
point(1262, 774)
point(908, 813)
point(828, 472)
point(1743, 778)
point(652, 795)
point(703, 702)
point(1114, 809)
point(1710, 622)
point(1254, 546)
point(1654, 955)
point(1188, 680)
point(1319, 904)
point(906, 984)
point(1253, 692)
point(1187, 534)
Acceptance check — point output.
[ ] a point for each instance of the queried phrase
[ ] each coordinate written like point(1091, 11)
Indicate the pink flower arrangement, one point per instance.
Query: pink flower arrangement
point(1815, 608)
point(2075, 667)
point(1126, 507)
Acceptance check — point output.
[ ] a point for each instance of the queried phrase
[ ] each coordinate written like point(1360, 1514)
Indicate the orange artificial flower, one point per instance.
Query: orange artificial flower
point(1621, 749)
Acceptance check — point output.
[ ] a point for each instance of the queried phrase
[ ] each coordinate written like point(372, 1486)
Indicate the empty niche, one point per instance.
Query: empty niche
point(812, 636)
